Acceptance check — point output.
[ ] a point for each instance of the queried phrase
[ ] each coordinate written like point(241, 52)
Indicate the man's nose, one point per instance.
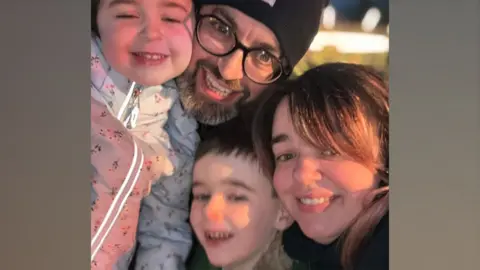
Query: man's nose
point(216, 208)
point(231, 66)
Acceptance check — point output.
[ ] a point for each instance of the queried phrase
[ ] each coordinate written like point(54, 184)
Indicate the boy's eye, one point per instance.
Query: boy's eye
point(201, 197)
point(237, 198)
point(284, 157)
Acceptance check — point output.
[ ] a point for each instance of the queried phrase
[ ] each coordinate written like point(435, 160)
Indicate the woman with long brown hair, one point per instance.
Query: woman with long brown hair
point(324, 138)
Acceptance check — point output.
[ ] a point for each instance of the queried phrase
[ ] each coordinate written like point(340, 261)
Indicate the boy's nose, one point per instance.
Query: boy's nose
point(215, 208)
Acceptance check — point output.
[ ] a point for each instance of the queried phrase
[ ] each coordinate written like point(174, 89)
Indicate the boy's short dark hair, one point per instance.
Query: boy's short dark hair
point(231, 137)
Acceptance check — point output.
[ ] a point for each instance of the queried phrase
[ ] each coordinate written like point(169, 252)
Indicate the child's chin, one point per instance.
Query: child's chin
point(151, 77)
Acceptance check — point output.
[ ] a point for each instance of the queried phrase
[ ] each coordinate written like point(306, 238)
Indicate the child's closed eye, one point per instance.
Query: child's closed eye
point(126, 16)
point(172, 20)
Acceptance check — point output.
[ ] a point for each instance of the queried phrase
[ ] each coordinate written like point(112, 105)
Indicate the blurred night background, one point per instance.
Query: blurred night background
point(354, 31)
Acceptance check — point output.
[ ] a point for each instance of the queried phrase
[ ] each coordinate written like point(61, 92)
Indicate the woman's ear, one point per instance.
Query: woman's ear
point(376, 193)
point(284, 220)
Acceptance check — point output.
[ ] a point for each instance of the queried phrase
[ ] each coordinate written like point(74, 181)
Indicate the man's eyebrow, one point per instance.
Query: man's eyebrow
point(279, 138)
point(226, 16)
point(237, 183)
point(229, 18)
point(121, 2)
point(268, 47)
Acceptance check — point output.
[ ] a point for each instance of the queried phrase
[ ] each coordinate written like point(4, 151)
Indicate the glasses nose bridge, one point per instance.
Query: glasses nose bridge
point(231, 66)
point(239, 46)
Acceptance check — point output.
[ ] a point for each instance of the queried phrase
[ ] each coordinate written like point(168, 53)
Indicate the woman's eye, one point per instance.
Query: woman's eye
point(328, 153)
point(284, 157)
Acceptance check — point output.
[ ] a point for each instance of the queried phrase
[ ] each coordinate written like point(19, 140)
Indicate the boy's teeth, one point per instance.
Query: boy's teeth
point(216, 87)
point(218, 235)
point(313, 201)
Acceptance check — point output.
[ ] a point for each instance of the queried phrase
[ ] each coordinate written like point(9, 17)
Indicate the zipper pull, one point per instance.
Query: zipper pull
point(134, 117)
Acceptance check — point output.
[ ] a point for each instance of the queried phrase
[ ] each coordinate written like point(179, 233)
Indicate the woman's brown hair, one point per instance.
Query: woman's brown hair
point(344, 107)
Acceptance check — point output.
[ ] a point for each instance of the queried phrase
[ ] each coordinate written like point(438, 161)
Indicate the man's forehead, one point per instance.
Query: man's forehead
point(250, 31)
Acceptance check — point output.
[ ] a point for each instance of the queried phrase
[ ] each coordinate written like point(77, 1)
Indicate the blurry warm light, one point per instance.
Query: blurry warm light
point(349, 42)
point(388, 29)
point(328, 17)
point(371, 19)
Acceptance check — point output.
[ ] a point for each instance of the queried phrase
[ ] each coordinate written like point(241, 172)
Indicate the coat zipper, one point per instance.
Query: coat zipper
point(117, 205)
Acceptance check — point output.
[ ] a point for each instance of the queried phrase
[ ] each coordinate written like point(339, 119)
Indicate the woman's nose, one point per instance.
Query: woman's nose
point(306, 171)
point(215, 208)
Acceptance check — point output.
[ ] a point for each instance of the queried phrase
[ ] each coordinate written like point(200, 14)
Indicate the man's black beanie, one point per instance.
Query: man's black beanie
point(294, 22)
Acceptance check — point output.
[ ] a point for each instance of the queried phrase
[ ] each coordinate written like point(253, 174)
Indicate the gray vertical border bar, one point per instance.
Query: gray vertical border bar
point(435, 131)
point(44, 142)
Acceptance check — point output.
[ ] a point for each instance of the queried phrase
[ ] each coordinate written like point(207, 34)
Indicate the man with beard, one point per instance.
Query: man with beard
point(240, 47)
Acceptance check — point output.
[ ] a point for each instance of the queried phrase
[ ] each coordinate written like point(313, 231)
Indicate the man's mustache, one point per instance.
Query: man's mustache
point(232, 84)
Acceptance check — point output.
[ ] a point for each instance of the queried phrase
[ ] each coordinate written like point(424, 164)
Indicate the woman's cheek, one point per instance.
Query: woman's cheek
point(280, 180)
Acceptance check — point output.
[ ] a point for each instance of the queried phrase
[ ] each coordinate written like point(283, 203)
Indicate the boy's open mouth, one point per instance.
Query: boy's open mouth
point(214, 238)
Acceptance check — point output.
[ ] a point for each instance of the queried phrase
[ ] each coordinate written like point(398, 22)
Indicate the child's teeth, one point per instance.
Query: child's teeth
point(152, 56)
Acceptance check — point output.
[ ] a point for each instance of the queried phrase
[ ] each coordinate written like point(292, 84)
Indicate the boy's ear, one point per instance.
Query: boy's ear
point(284, 220)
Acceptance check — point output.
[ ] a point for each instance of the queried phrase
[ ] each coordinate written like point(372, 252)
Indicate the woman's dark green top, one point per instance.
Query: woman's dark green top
point(310, 255)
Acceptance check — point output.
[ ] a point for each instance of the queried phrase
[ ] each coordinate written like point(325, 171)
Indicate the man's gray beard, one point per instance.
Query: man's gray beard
point(203, 110)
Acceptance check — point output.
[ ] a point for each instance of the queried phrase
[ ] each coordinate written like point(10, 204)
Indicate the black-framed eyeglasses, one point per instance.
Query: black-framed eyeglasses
point(217, 38)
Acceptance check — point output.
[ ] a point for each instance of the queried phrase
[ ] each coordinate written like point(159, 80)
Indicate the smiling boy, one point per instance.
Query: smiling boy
point(235, 213)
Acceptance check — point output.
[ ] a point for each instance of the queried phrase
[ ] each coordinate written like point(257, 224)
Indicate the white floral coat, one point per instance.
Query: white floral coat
point(168, 139)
